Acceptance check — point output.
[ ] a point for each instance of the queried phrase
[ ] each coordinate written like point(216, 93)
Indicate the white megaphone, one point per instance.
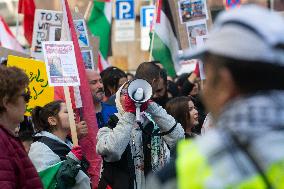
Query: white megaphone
point(139, 90)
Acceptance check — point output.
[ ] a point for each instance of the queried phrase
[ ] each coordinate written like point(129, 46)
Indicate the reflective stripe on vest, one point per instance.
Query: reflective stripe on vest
point(275, 174)
point(193, 170)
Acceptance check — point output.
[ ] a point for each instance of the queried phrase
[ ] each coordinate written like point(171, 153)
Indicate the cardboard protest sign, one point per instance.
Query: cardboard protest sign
point(47, 27)
point(41, 92)
point(61, 63)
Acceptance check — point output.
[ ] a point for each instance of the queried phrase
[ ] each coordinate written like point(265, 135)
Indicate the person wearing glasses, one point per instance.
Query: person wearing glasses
point(16, 169)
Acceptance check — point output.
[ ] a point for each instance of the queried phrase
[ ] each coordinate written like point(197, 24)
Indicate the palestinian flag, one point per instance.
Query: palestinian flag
point(48, 176)
point(100, 26)
point(165, 44)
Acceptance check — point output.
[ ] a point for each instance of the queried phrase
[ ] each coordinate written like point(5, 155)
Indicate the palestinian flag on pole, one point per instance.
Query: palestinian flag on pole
point(100, 26)
point(165, 44)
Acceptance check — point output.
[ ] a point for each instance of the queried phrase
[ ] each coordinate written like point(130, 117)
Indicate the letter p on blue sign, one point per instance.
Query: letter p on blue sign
point(124, 9)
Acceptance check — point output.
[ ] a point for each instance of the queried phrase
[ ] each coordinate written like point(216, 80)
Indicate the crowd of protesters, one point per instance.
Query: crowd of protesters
point(222, 132)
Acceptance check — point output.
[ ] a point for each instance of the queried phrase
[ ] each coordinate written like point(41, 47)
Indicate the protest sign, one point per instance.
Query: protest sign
point(93, 44)
point(41, 92)
point(192, 10)
point(82, 33)
point(60, 63)
point(87, 56)
point(47, 27)
point(195, 29)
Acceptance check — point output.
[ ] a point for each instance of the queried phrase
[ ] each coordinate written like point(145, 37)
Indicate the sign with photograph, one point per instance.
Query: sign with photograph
point(82, 32)
point(192, 10)
point(54, 33)
point(47, 26)
point(41, 92)
point(60, 63)
point(195, 29)
point(87, 56)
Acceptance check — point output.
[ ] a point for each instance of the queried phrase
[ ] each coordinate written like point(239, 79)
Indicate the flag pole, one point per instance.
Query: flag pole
point(17, 26)
point(87, 12)
point(64, 37)
point(153, 30)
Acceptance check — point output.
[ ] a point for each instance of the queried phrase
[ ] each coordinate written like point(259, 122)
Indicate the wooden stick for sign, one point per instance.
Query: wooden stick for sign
point(87, 12)
point(71, 116)
point(153, 30)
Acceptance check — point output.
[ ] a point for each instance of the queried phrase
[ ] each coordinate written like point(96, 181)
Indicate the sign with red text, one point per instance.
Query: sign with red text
point(60, 63)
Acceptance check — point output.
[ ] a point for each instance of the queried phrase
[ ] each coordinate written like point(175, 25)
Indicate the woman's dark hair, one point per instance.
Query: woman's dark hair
point(110, 77)
point(12, 81)
point(148, 71)
point(40, 115)
point(130, 74)
point(249, 76)
point(173, 89)
point(179, 109)
point(181, 79)
point(26, 131)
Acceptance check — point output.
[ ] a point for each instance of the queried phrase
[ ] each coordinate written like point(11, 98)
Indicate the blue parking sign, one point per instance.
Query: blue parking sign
point(147, 15)
point(124, 9)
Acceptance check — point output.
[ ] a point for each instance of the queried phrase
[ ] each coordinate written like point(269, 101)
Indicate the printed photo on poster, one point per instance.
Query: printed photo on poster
point(55, 67)
point(60, 63)
point(88, 59)
point(194, 30)
point(192, 10)
point(81, 31)
point(54, 33)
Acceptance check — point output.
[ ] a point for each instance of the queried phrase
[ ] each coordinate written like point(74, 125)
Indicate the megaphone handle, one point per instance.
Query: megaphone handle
point(138, 117)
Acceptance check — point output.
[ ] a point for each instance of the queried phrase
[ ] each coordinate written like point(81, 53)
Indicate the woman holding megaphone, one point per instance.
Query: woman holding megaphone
point(133, 145)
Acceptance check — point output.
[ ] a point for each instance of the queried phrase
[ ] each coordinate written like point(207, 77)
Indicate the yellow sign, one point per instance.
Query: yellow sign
point(41, 92)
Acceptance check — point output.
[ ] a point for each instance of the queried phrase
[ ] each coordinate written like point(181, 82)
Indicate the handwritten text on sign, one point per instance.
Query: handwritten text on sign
point(47, 27)
point(41, 92)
